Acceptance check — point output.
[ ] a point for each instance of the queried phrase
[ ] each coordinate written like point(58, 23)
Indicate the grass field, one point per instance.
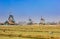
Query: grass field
point(30, 32)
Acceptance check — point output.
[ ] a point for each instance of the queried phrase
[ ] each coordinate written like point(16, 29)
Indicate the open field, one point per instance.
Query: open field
point(30, 32)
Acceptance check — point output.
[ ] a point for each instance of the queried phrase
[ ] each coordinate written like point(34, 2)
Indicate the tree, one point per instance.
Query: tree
point(6, 23)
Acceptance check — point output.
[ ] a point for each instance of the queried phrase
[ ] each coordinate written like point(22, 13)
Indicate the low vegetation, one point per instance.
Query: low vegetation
point(30, 32)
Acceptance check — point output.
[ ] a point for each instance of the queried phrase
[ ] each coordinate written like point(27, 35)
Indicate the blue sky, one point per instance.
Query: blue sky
point(34, 9)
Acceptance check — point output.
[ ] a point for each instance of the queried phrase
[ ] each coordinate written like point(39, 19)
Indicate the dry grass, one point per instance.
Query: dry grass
point(30, 32)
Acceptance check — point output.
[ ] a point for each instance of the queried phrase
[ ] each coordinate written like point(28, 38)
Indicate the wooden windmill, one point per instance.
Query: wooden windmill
point(42, 21)
point(10, 20)
point(30, 22)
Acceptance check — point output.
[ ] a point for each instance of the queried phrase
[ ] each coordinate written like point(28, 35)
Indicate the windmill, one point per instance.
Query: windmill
point(10, 20)
point(42, 21)
point(30, 22)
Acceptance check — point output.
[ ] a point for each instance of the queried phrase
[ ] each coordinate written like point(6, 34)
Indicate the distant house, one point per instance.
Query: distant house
point(1, 23)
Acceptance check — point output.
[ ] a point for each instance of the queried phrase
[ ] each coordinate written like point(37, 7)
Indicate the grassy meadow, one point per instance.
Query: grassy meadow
point(30, 32)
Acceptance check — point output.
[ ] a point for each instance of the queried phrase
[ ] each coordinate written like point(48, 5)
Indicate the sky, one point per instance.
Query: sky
point(22, 10)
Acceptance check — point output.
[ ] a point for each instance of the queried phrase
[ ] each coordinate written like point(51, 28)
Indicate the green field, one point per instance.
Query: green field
point(30, 32)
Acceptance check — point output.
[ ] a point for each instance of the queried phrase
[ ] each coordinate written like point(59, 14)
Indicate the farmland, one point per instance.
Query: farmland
point(30, 32)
